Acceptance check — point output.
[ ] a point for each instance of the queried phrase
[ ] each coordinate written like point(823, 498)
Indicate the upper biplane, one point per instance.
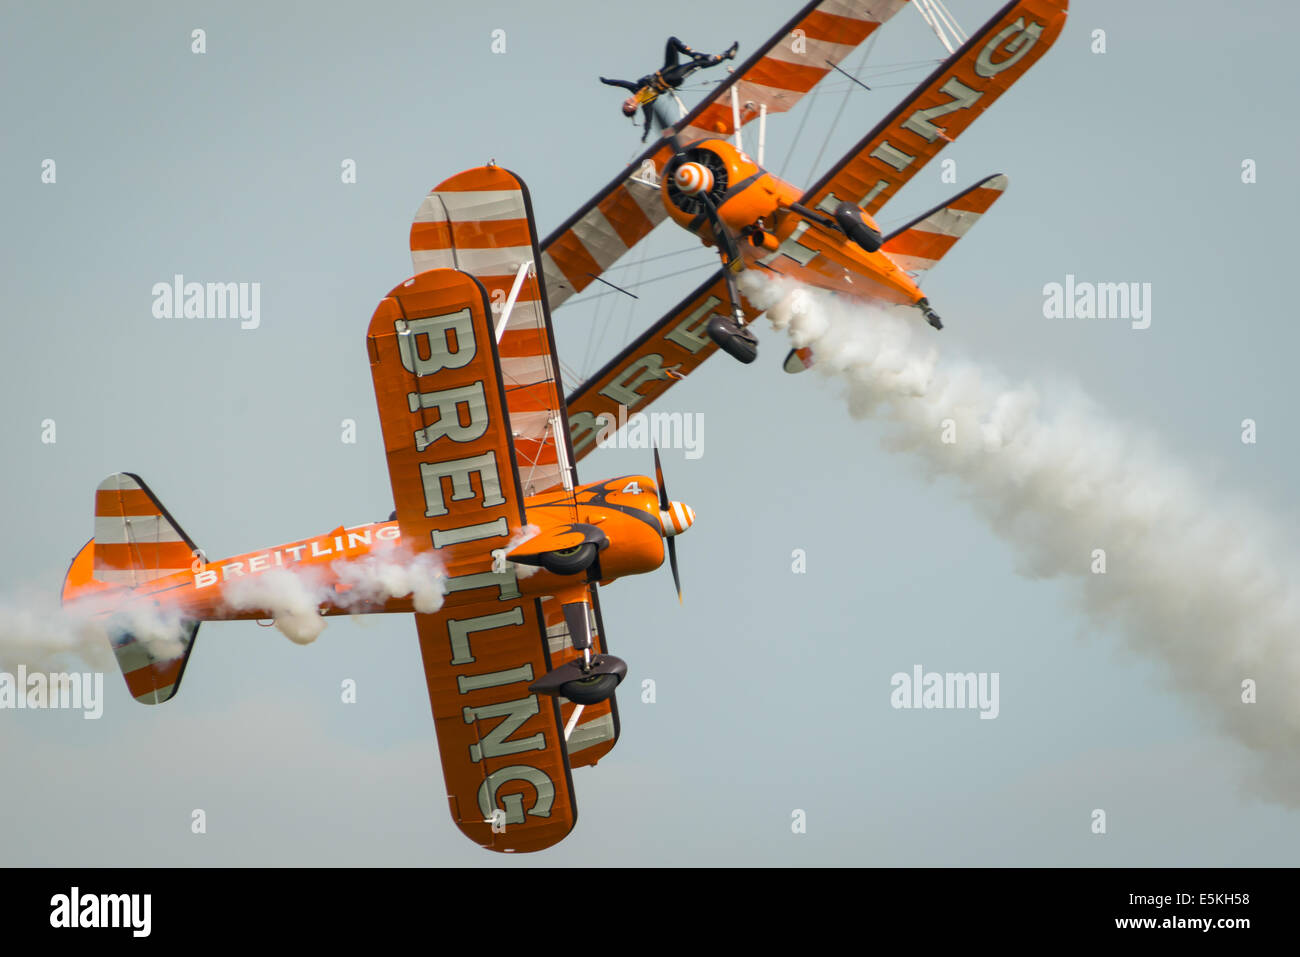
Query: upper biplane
point(701, 177)
point(483, 477)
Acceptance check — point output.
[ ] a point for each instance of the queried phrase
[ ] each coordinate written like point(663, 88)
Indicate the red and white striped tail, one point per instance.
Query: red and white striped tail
point(136, 540)
point(925, 240)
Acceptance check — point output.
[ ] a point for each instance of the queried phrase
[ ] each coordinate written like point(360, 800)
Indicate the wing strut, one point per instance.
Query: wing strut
point(943, 23)
point(520, 276)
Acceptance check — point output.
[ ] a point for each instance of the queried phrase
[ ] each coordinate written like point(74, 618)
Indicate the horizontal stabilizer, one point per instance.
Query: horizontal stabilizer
point(925, 240)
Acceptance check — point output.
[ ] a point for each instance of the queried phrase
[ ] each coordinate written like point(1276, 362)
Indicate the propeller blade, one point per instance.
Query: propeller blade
point(659, 477)
point(672, 561)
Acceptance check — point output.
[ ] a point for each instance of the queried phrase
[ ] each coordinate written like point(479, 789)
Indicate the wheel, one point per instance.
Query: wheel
point(569, 561)
point(735, 341)
point(592, 690)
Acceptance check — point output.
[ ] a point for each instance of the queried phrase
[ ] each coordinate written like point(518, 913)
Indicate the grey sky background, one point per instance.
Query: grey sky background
point(772, 688)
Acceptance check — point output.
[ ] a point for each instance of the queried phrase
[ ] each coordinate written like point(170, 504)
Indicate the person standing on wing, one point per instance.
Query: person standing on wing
point(669, 77)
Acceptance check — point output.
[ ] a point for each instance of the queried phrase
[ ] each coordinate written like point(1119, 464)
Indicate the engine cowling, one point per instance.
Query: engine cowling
point(741, 190)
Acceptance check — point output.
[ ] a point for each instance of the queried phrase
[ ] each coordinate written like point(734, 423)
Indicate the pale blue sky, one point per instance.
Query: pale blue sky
point(773, 688)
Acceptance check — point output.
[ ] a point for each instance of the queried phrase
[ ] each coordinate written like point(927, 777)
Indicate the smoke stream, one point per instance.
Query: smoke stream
point(294, 597)
point(42, 634)
point(1201, 584)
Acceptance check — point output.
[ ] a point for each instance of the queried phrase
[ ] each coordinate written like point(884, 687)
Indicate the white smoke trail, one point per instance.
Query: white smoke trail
point(1201, 583)
point(293, 596)
point(392, 573)
point(37, 631)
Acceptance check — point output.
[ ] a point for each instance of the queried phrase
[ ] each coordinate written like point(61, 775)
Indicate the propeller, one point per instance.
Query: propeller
point(665, 505)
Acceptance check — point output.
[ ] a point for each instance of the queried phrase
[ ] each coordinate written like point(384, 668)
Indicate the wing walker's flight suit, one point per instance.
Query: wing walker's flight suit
point(669, 77)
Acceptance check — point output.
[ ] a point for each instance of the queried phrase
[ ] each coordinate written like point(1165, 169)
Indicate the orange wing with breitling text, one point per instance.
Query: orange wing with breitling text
point(947, 102)
point(481, 221)
point(777, 76)
point(447, 438)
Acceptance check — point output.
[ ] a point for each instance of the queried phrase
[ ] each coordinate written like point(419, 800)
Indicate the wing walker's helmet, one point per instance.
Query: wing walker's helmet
point(629, 106)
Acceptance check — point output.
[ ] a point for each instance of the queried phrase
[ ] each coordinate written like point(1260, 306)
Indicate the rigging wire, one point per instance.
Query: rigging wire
point(866, 52)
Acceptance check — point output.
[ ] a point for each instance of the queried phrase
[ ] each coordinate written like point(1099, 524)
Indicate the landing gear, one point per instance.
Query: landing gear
point(586, 680)
point(592, 689)
point(733, 339)
point(931, 316)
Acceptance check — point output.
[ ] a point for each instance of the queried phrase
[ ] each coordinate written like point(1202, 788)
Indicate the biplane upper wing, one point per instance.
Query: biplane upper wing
point(777, 76)
point(642, 372)
point(947, 102)
point(785, 68)
point(481, 221)
point(442, 408)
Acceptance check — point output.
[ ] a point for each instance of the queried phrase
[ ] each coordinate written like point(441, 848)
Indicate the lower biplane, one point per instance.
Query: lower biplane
point(487, 503)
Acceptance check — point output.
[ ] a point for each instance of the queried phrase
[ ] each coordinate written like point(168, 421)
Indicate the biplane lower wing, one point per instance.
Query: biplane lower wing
point(668, 351)
point(943, 106)
point(442, 409)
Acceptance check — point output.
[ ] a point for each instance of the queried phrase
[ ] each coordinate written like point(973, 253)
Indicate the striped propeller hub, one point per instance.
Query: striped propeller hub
point(676, 519)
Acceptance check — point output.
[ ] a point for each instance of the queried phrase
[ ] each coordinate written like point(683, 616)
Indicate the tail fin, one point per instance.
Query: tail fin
point(136, 541)
point(925, 240)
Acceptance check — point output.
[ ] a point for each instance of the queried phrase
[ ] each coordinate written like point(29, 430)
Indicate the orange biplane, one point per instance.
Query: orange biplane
point(825, 235)
point(500, 548)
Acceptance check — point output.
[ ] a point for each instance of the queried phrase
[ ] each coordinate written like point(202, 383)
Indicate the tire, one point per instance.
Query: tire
point(592, 690)
point(569, 561)
point(735, 341)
